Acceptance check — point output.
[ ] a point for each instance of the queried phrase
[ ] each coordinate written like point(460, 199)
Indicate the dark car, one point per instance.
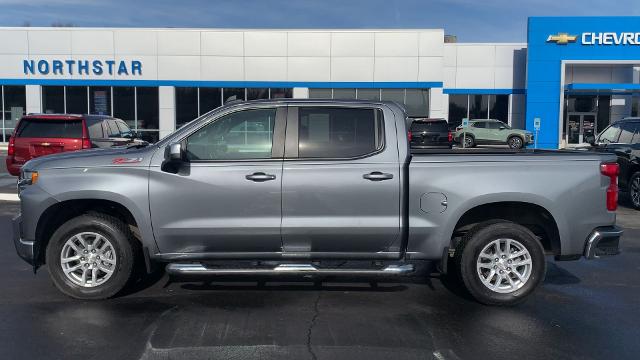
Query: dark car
point(623, 139)
point(43, 134)
point(430, 134)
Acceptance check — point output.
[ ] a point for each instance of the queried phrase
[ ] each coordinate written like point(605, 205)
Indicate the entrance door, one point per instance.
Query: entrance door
point(581, 127)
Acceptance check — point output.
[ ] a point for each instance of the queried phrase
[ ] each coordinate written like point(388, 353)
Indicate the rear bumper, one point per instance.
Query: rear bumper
point(24, 248)
point(603, 241)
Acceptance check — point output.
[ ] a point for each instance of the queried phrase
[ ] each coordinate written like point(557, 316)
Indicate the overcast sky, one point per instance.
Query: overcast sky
point(470, 20)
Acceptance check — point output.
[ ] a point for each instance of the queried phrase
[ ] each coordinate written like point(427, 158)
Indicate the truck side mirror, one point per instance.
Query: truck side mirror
point(174, 152)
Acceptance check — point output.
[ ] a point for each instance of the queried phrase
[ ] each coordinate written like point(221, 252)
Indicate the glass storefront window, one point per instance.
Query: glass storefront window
point(14, 103)
point(458, 106)
point(396, 95)
point(233, 94)
point(148, 108)
point(53, 99)
point(100, 100)
point(186, 105)
point(344, 93)
point(417, 102)
point(257, 93)
point(124, 105)
point(210, 98)
point(369, 94)
point(277, 93)
point(478, 106)
point(320, 94)
point(499, 107)
point(77, 100)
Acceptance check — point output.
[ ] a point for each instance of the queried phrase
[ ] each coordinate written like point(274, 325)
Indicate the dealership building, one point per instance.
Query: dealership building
point(574, 76)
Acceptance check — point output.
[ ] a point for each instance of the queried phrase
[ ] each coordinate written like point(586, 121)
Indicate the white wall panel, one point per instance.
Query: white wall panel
point(352, 69)
point(33, 99)
point(431, 43)
point(265, 68)
point(135, 42)
point(224, 68)
point(50, 42)
point(430, 69)
point(14, 42)
point(450, 52)
point(352, 44)
point(178, 68)
point(167, 114)
point(475, 55)
point(396, 69)
point(11, 66)
point(176, 42)
point(503, 78)
point(92, 42)
point(309, 69)
point(449, 77)
point(265, 43)
point(309, 43)
point(396, 44)
point(475, 78)
point(105, 71)
point(223, 43)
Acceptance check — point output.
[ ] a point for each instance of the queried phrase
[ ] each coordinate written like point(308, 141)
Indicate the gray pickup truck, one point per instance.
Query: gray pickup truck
point(313, 187)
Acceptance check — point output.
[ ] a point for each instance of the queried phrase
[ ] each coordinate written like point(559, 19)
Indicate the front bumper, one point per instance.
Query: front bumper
point(24, 248)
point(603, 241)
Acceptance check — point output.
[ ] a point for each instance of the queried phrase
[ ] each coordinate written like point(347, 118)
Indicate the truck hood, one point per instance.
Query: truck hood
point(120, 157)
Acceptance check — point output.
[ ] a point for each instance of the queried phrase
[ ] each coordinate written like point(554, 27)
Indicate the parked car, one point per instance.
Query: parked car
point(44, 134)
point(492, 132)
point(345, 196)
point(623, 139)
point(430, 134)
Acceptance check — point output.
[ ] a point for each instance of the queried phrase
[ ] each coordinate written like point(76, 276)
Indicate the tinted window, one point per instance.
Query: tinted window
point(112, 128)
point(479, 124)
point(496, 125)
point(45, 128)
point(626, 133)
point(431, 126)
point(95, 129)
point(242, 135)
point(338, 132)
point(610, 135)
point(123, 128)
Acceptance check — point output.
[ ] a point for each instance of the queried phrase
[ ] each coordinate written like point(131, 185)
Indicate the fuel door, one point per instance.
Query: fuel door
point(433, 202)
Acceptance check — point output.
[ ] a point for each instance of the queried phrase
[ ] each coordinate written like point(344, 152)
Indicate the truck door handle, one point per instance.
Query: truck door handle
point(260, 177)
point(377, 176)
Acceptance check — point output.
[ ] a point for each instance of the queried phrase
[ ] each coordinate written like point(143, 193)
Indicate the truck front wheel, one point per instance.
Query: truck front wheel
point(500, 262)
point(91, 257)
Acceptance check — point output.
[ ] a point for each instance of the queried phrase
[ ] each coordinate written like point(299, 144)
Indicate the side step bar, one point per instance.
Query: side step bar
point(286, 269)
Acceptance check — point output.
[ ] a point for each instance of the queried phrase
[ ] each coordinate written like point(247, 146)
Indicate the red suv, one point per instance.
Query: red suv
point(44, 134)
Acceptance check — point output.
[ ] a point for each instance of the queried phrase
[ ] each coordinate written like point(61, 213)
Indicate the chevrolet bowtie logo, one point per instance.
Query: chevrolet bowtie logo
point(562, 38)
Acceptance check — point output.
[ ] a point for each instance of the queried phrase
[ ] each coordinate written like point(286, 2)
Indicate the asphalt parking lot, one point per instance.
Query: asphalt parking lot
point(584, 310)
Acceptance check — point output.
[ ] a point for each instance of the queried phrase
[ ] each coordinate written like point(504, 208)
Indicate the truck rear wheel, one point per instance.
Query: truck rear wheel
point(91, 257)
point(500, 262)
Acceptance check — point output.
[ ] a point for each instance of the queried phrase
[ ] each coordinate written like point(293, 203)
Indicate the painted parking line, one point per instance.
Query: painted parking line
point(9, 197)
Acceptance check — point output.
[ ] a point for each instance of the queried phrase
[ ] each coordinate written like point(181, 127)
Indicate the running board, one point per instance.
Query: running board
point(286, 269)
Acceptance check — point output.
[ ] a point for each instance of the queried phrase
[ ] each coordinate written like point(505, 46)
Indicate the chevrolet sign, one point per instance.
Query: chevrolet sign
point(597, 38)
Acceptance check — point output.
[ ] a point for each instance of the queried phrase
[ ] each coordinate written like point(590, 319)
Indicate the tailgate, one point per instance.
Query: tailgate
point(28, 148)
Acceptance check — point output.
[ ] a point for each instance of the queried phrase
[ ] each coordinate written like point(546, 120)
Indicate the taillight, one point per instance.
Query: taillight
point(611, 170)
point(450, 136)
point(86, 143)
point(11, 149)
point(409, 136)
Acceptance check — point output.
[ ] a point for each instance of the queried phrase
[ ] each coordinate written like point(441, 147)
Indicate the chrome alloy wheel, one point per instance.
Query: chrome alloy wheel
point(468, 141)
point(635, 192)
point(88, 259)
point(504, 265)
point(515, 142)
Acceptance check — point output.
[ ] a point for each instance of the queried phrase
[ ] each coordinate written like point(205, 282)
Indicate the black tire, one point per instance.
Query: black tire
point(120, 237)
point(468, 251)
point(471, 142)
point(515, 142)
point(634, 190)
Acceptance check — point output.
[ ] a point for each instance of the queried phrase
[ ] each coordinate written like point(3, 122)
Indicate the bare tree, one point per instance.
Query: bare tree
point(61, 24)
